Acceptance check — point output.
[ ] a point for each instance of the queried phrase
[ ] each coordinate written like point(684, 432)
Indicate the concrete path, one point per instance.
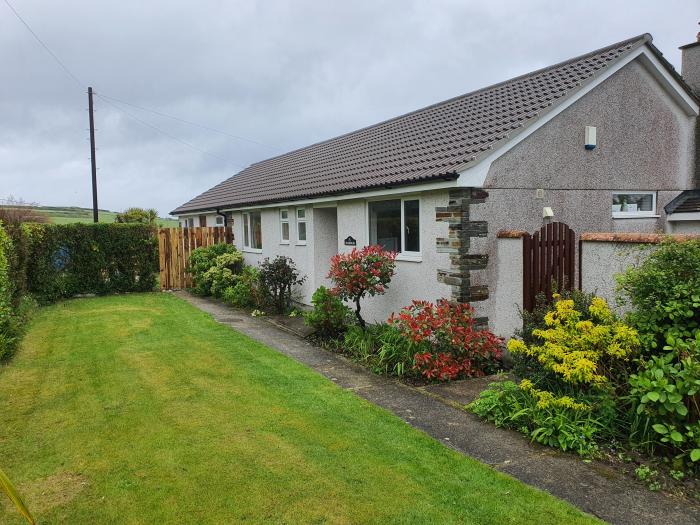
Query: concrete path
point(593, 487)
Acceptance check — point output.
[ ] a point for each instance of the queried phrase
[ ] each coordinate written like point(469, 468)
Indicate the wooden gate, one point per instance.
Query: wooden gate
point(548, 262)
point(175, 246)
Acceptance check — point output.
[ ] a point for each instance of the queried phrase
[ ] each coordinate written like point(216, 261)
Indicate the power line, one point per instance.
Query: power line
point(46, 47)
point(179, 119)
point(172, 137)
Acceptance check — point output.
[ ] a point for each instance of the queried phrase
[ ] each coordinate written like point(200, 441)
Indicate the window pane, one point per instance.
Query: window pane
point(256, 230)
point(301, 213)
point(284, 214)
point(385, 224)
point(631, 202)
point(246, 226)
point(285, 231)
point(301, 230)
point(411, 226)
point(191, 222)
point(219, 219)
point(203, 220)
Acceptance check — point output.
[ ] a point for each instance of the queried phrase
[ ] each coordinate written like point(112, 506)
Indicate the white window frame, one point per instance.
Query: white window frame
point(219, 220)
point(299, 220)
point(246, 226)
point(284, 221)
point(402, 255)
point(634, 214)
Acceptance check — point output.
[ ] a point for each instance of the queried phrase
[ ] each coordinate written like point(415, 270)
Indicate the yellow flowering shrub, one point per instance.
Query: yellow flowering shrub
point(580, 352)
point(546, 399)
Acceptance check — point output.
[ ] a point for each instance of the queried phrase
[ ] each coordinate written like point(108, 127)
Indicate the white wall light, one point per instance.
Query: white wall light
point(547, 213)
point(590, 137)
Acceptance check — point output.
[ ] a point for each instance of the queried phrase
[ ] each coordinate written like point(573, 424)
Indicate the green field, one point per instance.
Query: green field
point(72, 214)
point(142, 409)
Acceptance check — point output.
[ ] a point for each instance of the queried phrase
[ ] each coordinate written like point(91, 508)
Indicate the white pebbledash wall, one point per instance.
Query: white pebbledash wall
point(326, 232)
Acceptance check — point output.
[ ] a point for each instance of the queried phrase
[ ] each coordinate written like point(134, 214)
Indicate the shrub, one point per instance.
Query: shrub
point(245, 291)
point(556, 421)
point(445, 341)
point(361, 344)
point(277, 277)
point(14, 312)
point(665, 395)
point(329, 317)
point(582, 353)
point(69, 259)
point(360, 273)
point(664, 292)
point(223, 273)
point(579, 365)
point(525, 366)
point(138, 216)
point(203, 259)
point(395, 354)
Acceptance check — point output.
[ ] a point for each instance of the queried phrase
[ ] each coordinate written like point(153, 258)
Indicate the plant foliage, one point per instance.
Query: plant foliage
point(203, 259)
point(277, 279)
point(329, 317)
point(446, 343)
point(359, 273)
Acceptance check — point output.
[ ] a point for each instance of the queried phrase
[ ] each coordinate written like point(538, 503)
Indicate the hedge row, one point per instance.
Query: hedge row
point(54, 261)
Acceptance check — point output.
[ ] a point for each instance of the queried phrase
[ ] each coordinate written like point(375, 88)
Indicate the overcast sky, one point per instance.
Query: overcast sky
point(282, 74)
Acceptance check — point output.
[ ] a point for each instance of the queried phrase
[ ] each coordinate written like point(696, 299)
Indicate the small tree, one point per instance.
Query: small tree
point(360, 273)
point(137, 215)
point(277, 277)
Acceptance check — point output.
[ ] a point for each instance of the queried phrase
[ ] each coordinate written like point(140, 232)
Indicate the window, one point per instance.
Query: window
point(284, 226)
point(633, 204)
point(190, 222)
point(252, 230)
point(395, 225)
point(301, 225)
point(219, 220)
point(202, 220)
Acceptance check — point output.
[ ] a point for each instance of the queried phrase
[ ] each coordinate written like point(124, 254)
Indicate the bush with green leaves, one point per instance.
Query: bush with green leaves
point(223, 274)
point(65, 260)
point(555, 421)
point(277, 278)
point(381, 347)
point(664, 293)
point(245, 292)
point(15, 307)
point(329, 317)
point(202, 259)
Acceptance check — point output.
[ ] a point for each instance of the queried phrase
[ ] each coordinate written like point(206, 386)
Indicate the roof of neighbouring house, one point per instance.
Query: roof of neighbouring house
point(434, 143)
point(687, 202)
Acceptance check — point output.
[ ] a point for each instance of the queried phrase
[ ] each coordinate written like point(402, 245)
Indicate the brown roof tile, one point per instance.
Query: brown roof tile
point(435, 142)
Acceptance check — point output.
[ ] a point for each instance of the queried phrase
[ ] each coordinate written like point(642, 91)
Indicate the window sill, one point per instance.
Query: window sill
point(410, 257)
point(285, 243)
point(622, 215)
point(252, 250)
point(300, 243)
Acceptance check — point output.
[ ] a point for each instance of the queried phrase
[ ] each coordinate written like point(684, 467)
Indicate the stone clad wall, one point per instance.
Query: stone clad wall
point(458, 243)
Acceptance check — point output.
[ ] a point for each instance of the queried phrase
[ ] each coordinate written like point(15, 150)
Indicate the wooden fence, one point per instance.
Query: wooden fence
point(175, 246)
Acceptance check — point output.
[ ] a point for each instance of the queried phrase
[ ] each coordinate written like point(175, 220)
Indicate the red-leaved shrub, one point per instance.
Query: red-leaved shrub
point(453, 348)
point(360, 273)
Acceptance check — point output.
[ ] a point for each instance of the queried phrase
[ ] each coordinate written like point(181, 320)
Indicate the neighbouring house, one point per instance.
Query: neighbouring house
point(604, 142)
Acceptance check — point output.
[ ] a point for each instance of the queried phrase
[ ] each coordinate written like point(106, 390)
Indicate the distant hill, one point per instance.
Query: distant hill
point(71, 214)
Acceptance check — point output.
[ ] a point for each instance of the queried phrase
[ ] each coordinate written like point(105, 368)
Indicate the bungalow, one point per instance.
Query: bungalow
point(602, 142)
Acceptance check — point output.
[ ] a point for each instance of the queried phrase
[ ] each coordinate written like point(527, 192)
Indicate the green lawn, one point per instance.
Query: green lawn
point(70, 215)
point(142, 409)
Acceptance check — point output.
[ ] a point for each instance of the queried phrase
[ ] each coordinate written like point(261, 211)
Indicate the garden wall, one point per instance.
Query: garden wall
point(600, 257)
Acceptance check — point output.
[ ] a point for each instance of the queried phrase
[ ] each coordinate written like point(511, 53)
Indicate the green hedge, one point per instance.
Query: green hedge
point(55, 261)
point(6, 337)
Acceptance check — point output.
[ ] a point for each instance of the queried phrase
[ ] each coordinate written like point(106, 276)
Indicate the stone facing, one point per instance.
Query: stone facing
point(457, 244)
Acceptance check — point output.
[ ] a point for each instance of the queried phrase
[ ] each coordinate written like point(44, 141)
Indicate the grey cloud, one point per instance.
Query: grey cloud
point(284, 73)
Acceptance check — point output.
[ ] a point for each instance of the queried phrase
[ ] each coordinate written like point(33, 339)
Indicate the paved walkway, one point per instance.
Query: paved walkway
point(594, 487)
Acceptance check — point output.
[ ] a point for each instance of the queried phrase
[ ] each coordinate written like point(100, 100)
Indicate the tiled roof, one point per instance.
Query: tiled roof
point(687, 202)
point(433, 143)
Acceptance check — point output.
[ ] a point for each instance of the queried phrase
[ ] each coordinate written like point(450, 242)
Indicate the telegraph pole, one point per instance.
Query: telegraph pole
point(93, 161)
